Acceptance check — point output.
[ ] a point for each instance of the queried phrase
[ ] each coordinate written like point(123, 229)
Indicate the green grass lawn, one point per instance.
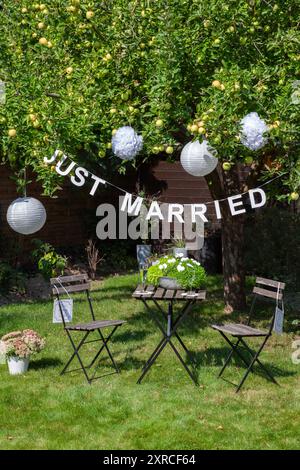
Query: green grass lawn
point(43, 410)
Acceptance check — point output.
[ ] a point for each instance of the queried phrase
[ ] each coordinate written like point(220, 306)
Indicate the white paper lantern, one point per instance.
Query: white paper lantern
point(26, 215)
point(198, 159)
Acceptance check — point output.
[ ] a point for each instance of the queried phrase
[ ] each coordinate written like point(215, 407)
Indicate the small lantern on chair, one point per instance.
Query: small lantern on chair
point(198, 159)
point(26, 215)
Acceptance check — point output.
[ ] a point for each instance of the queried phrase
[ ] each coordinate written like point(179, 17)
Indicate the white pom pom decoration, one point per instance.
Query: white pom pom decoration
point(198, 159)
point(126, 143)
point(26, 215)
point(253, 130)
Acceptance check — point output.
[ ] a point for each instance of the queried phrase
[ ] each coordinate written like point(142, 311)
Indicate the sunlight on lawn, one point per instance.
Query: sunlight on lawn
point(42, 410)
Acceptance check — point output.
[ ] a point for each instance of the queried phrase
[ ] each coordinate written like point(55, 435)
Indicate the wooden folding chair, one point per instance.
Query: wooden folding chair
point(79, 283)
point(265, 288)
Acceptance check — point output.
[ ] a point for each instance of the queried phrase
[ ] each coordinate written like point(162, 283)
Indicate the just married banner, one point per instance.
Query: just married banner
point(132, 204)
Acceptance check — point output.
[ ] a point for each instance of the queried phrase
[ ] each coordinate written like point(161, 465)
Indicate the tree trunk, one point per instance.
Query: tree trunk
point(233, 262)
point(223, 184)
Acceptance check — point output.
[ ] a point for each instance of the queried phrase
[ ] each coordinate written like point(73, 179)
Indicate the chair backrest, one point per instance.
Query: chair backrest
point(63, 284)
point(71, 284)
point(267, 288)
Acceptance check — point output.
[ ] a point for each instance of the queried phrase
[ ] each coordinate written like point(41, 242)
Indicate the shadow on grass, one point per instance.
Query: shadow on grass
point(45, 363)
point(131, 363)
point(104, 363)
point(131, 336)
point(217, 357)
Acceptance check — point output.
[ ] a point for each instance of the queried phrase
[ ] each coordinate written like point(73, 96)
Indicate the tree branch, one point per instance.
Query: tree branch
point(215, 184)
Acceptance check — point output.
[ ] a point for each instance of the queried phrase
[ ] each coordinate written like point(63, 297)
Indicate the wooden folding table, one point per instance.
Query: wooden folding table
point(157, 296)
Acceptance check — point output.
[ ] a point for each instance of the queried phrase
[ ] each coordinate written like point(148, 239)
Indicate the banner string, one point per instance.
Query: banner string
point(245, 192)
point(206, 203)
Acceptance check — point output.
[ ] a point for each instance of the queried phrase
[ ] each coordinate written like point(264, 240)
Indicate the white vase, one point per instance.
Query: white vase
point(17, 365)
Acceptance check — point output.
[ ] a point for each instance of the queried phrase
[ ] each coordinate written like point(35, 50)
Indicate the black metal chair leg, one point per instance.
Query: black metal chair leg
point(75, 349)
point(237, 351)
point(76, 352)
point(251, 365)
point(105, 341)
point(102, 347)
point(112, 359)
point(228, 358)
point(260, 363)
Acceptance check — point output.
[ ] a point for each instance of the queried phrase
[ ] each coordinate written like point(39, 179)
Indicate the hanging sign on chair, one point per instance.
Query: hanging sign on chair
point(62, 307)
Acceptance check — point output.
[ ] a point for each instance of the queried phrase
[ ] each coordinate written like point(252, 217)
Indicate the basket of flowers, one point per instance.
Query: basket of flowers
point(18, 346)
point(176, 272)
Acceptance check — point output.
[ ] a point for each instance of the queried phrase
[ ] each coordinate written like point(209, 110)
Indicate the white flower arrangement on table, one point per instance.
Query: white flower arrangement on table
point(188, 272)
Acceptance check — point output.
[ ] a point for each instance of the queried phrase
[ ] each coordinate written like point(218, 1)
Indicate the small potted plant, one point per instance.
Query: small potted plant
point(179, 247)
point(176, 272)
point(18, 346)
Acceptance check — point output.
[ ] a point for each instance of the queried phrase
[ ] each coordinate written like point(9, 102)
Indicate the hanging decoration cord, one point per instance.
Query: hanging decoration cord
point(60, 301)
point(245, 192)
point(62, 286)
point(25, 183)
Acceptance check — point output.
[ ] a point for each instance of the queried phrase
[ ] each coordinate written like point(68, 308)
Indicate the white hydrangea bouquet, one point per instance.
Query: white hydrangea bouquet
point(188, 272)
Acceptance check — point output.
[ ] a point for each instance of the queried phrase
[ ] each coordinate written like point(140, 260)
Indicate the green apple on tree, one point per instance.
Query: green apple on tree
point(226, 166)
point(294, 196)
point(169, 150)
point(12, 132)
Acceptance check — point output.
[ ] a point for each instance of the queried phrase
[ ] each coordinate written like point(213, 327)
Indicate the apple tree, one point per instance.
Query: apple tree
point(175, 70)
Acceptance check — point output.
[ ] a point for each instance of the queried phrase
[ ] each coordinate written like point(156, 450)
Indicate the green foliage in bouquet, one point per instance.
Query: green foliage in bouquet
point(188, 272)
